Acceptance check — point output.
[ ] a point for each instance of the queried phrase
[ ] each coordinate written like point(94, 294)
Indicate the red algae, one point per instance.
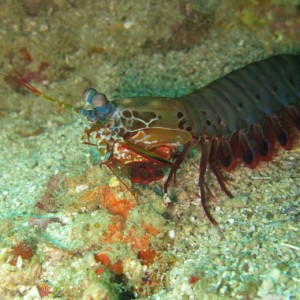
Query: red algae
point(115, 231)
point(104, 259)
point(193, 279)
point(150, 229)
point(137, 240)
point(24, 250)
point(116, 206)
point(147, 256)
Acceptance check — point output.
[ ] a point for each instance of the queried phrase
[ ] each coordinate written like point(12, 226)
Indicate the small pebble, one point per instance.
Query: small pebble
point(127, 24)
point(172, 234)
point(166, 198)
point(81, 188)
point(230, 221)
point(19, 262)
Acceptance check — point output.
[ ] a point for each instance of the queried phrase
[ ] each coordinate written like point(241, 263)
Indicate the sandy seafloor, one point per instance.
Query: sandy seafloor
point(50, 193)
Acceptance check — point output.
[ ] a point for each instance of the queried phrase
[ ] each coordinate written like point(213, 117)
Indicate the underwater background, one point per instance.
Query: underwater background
point(69, 229)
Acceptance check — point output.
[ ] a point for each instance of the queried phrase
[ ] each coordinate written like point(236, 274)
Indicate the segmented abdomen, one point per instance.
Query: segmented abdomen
point(245, 96)
point(243, 115)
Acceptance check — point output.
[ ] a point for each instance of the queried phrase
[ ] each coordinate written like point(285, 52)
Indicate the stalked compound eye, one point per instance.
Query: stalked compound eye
point(88, 95)
point(99, 100)
point(102, 108)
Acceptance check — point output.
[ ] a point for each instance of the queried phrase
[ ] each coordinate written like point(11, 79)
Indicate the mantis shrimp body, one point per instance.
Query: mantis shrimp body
point(237, 118)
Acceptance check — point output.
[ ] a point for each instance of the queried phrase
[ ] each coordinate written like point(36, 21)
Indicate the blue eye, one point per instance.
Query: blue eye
point(102, 107)
point(88, 95)
point(99, 100)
